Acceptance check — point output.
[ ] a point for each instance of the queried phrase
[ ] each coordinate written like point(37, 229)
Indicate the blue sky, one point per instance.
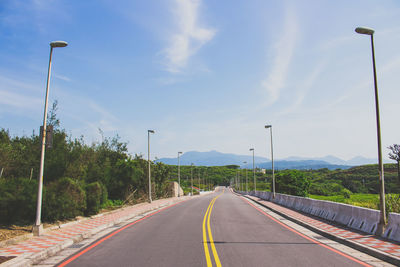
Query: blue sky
point(206, 75)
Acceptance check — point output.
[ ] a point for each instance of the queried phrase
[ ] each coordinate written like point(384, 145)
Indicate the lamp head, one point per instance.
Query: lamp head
point(179, 152)
point(268, 126)
point(58, 44)
point(363, 30)
point(150, 131)
point(251, 149)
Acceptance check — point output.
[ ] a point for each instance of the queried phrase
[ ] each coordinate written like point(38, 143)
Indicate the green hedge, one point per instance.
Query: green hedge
point(65, 199)
point(17, 201)
point(96, 196)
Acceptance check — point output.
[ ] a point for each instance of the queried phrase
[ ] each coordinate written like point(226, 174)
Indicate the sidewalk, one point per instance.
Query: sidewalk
point(370, 244)
point(31, 251)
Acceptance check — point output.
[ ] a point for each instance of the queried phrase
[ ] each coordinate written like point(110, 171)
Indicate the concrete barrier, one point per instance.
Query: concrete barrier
point(393, 228)
point(362, 219)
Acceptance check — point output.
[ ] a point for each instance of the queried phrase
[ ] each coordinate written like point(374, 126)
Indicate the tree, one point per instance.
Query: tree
point(395, 155)
point(292, 182)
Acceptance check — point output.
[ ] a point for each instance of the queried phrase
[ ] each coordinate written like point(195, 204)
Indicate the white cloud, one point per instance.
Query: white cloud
point(189, 36)
point(283, 49)
point(16, 100)
point(304, 89)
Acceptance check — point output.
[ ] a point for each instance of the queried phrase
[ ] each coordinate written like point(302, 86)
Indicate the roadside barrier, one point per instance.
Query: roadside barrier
point(362, 219)
point(393, 228)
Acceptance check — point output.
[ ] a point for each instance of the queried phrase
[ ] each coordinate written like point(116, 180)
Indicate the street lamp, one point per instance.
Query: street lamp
point(38, 227)
point(148, 157)
point(382, 221)
point(254, 171)
point(191, 179)
point(245, 162)
point(272, 161)
point(179, 174)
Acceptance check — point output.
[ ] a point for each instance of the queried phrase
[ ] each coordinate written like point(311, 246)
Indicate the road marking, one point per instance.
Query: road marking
point(64, 263)
point(205, 242)
point(304, 236)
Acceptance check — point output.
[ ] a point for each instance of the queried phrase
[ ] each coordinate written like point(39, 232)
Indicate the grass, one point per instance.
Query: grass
point(370, 201)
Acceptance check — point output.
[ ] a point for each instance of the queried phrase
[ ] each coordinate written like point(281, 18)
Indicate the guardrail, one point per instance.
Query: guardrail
point(362, 219)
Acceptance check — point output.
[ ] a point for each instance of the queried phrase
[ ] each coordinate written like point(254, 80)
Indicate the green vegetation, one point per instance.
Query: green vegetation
point(370, 201)
point(292, 182)
point(82, 179)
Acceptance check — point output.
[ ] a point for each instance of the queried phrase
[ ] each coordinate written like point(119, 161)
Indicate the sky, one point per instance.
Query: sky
point(206, 75)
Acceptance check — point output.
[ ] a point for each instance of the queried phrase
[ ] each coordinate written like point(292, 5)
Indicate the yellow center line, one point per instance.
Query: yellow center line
point(216, 258)
point(208, 259)
point(205, 243)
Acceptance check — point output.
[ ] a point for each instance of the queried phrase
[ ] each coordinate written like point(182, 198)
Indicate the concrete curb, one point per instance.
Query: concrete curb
point(368, 250)
point(28, 260)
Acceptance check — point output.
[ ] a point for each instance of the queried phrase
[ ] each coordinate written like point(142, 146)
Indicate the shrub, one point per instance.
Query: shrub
point(392, 203)
point(96, 195)
point(64, 199)
point(17, 200)
point(292, 182)
point(346, 193)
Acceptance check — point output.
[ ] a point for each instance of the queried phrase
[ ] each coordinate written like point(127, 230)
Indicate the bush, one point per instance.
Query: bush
point(17, 200)
point(346, 193)
point(96, 195)
point(392, 203)
point(65, 199)
point(292, 182)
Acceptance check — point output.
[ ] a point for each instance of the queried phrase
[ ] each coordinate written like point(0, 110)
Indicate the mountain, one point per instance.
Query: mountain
point(302, 165)
point(215, 158)
point(212, 158)
point(356, 161)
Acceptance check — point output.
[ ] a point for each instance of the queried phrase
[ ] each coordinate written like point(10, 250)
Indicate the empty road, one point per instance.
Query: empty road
point(220, 229)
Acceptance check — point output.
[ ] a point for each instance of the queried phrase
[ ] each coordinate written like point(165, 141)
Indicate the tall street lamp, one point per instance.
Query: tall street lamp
point(148, 157)
point(38, 227)
point(272, 161)
point(179, 174)
point(254, 171)
point(245, 169)
point(382, 221)
point(191, 179)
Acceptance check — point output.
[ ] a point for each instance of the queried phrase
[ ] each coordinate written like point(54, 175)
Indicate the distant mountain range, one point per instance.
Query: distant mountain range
point(215, 158)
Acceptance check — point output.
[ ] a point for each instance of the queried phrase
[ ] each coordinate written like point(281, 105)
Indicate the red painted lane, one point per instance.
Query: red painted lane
point(306, 237)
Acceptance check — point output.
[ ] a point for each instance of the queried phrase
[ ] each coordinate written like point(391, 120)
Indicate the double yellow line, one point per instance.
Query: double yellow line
point(205, 242)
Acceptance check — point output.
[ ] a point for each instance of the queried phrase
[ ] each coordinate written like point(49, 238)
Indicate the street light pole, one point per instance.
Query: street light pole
point(148, 155)
point(245, 169)
point(191, 179)
point(254, 172)
point(272, 161)
point(382, 222)
point(179, 174)
point(38, 227)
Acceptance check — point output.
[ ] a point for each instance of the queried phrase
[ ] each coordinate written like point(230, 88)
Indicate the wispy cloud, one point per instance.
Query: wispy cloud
point(19, 101)
point(304, 88)
point(20, 95)
point(283, 49)
point(189, 36)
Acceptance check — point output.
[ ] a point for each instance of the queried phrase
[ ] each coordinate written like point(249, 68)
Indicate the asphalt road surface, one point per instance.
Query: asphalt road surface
point(220, 229)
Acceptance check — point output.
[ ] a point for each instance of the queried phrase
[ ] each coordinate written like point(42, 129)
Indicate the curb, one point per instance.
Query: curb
point(368, 250)
point(51, 251)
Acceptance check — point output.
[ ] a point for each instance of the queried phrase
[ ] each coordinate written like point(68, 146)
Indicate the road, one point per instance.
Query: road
point(236, 233)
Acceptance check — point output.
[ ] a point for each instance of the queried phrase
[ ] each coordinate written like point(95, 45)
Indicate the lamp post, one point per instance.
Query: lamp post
point(254, 171)
point(382, 221)
point(179, 174)
point(148, 155)
point(272, 161)
point(38, 227)
point(245, 170)
point(191, 178)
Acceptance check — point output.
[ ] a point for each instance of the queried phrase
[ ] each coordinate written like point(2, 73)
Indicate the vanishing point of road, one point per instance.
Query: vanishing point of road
point(219, 229)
